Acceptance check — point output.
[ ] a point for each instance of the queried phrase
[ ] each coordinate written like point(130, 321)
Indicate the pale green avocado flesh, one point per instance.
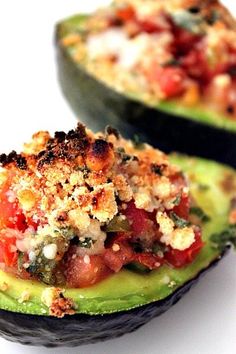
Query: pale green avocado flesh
point(199, 113)
point(212, 186)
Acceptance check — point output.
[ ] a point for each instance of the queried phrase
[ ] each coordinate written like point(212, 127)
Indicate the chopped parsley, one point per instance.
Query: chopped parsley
point(191, 22)
point(200, 214)
point(138, 144)
point(125, 157)
point(86, 242)
point(225, 238)
point(215, 16)
point(178, 221)
point(158, 169)
point(177, 200)
point(118, 224)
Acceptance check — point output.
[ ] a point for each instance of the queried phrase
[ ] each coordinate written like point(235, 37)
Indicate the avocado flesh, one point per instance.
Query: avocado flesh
point(168, 125)
point(212, 186)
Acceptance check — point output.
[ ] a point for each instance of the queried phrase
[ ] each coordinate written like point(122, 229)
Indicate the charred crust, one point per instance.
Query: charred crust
point(64, 146)
point(13, 157)
point(158, 169)
point(60, 136)
point(112, 131)
point(194, 9)
point(100, 149)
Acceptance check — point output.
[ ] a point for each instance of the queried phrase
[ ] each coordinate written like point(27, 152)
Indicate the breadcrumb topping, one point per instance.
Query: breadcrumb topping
point(77, 195)
point(136, 47)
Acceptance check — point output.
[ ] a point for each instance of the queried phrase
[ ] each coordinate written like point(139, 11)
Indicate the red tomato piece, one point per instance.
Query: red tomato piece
point(10, 214)
point(195, 63)
point(8, 251)
point(125, 13)
point(149, 260)
point(184, 41)
point(182, 209)
point(116, 259)
point(138, 218)
point(85, 271)
point(170, 79)
point(181, 258)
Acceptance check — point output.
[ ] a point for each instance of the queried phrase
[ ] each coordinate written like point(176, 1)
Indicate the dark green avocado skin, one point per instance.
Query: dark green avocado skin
point(97, 105)
point(76, 330)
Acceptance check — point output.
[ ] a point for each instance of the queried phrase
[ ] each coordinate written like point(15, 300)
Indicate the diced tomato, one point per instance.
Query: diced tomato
point(181, 258)
point(155, 24)
point(81, 272)
point(149, 260)
point(115, 259)
point(10, 214)
point(171, 80)
point(184, 41)
point(8, 251)
point(196, 66)
point(125, 13)
point(138, 218)
point(182, 209)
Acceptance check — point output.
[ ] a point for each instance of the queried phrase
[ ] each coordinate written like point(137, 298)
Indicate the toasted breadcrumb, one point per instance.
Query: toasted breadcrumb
point(58, 305)
point(80, 181)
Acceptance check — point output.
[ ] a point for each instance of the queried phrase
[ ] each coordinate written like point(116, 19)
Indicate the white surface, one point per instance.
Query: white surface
point(204, 322)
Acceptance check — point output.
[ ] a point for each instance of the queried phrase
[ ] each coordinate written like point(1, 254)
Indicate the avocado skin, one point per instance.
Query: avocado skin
point(97, 105)
point(75, 330)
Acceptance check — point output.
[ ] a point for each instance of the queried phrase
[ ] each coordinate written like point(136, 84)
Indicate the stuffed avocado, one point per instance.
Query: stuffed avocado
point(159, 69)
point(98, 230)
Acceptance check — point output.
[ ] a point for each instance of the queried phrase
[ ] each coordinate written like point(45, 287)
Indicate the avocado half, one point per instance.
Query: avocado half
point(126, 300)
point(168, 125)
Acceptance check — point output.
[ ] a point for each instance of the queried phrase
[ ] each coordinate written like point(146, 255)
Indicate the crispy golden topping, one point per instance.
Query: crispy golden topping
point(77, 187)
point(58, 305)
point(80, 173)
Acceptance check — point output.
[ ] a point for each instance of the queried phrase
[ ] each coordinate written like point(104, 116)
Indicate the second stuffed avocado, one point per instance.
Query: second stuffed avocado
point(191, 105)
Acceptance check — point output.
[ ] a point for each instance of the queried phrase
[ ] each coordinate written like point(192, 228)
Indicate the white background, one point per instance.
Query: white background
point(204, 322)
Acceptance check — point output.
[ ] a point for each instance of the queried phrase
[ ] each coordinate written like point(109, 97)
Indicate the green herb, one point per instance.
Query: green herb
point(137, 267)
point(67, 233)
point(118, 224)
point(125, 157)
point(87, 242)
point(158, 247)
point(191, 22)
point(138, 144)
point(158, 169)
point(44, 269)
point(215, 16)
point(120, 150)
point(200, 214)
point(177, 200)
point(47, 270)
point(225, 238)
point(178, 221)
